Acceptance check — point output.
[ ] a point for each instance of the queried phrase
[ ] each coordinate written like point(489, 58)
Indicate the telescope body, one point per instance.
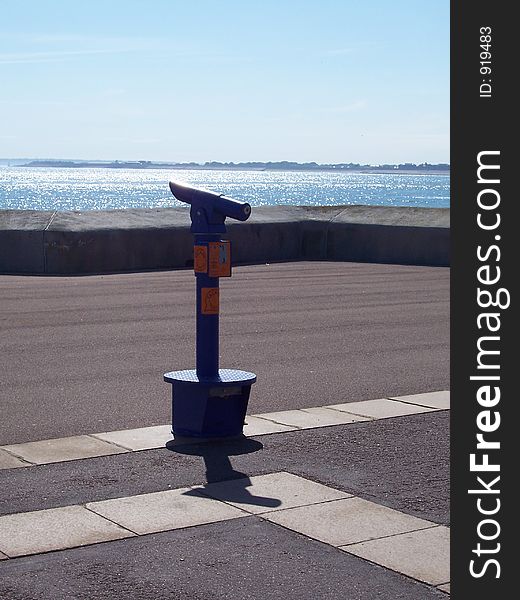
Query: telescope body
point(208, 209)
point(209, 402)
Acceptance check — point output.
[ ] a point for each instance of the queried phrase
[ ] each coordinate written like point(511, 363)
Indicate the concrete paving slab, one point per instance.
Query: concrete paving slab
point(62, 449)
point(3, 556)
point(55, 529)
point(255, 425)
point(310, 418)
point(445, 588)
point(371, 459)
point(144, 438)
point(275, 491)
point(242, 559)
point(347, 521)
point(148, 438)
point(162, 511)
point(439, 400)
point(8, 461)
point(380, 408)
point(423, 555)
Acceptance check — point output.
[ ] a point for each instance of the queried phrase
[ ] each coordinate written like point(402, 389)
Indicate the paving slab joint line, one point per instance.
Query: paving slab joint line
point(400, 399)
point(373, 562)
point(346, 412)
point(109, 520)
point(202, 491)
point(24, 460)
point(344, 547)
point(273, 510)
point(94, 437)
point(432, 408)
point(391, 535)
point(295, 427)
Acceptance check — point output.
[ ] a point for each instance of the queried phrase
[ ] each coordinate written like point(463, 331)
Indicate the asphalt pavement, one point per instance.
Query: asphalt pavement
point(401, 463)
point(234, 559)
point(87, 354)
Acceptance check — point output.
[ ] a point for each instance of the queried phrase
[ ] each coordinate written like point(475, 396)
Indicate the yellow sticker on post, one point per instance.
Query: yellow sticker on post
point(209, 301)
point(219, 259)
point(200, 259)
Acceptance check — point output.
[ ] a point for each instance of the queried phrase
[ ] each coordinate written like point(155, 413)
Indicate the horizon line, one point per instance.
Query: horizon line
point(208, 162)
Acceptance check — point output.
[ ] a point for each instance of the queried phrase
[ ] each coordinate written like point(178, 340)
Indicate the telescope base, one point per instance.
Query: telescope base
point(209, 407)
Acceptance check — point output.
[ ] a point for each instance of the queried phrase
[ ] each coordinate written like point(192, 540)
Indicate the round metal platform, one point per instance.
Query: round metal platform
point(226, 377)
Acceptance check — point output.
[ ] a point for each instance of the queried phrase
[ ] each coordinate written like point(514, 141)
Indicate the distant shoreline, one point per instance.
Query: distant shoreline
point(406, 168)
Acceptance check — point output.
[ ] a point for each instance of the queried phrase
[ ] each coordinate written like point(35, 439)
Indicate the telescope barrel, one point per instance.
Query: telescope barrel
point(228, 207)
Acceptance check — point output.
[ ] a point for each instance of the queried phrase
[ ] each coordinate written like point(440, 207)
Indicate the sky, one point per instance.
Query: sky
point(334, 81)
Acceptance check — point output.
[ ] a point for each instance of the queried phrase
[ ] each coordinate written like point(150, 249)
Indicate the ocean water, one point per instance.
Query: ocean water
point(42, 188)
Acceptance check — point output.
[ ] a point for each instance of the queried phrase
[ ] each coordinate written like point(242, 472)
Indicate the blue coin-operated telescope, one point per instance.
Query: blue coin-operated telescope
point(208, 402)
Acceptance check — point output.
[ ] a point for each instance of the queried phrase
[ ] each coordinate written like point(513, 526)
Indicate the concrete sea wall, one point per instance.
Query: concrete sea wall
point(40, 242)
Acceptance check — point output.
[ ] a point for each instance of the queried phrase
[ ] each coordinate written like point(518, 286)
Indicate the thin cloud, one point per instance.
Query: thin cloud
point(345, 51)
point(57, 56)
point(335, 110)
point(43, 48)
point(127, 140)
point(60, 38)
point(110, 93)
point(339, 52)
point(37, 102)
point(66, 55)
point(358, 105)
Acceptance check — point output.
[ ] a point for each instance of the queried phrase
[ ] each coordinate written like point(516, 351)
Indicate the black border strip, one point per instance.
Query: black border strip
point(482, 123)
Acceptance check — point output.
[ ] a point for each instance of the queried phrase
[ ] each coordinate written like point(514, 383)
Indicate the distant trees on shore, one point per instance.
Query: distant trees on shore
point(283, 165)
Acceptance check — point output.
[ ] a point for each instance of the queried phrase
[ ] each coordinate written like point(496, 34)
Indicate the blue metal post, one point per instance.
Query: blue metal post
point(207, 346)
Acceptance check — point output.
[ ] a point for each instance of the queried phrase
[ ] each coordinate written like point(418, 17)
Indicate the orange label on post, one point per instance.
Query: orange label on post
point(200, 259)
point(220, 259)
point(209, 301)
